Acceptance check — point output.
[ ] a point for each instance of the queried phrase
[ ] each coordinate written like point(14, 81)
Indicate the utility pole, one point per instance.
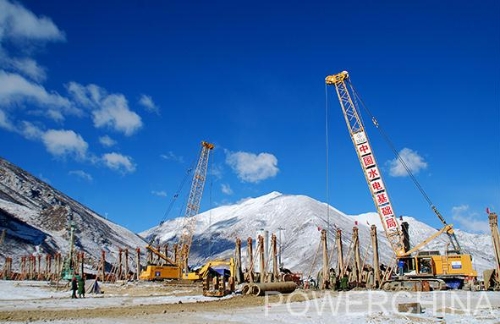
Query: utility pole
point(281, 247)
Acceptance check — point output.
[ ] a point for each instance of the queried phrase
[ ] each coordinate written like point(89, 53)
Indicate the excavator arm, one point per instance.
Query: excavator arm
point(420, 245)
point(450, 232)
point(159, 254)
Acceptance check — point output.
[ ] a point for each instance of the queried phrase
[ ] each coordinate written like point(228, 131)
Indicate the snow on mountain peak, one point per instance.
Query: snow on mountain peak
point(296, 220)
point(38, 215)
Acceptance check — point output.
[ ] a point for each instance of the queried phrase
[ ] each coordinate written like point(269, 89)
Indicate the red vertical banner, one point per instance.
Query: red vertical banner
point(377, 185)
point(373, 176)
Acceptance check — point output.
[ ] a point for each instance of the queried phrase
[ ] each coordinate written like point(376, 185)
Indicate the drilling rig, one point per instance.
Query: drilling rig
point(454, 267)
point(178, 268)
point(492, 276)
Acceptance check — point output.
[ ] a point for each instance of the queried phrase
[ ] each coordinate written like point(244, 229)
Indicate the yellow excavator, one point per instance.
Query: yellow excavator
point(218, 277)
point(452, 269)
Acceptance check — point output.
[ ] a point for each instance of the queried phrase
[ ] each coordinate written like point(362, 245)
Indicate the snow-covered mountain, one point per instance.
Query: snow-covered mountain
point(298, 219)
point(36, 216)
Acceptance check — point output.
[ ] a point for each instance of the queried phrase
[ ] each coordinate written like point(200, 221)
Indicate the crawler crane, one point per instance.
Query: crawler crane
point(455, 267)
point(178, 268)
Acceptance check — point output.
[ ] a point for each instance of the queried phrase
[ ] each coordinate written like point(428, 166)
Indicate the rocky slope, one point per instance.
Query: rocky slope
point(36, 218)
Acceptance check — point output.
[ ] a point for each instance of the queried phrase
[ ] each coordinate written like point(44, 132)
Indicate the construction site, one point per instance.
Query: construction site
point(412, 268)
point(249, 162)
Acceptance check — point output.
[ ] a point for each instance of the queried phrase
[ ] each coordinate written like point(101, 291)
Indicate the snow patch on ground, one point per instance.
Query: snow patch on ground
point(329, 307)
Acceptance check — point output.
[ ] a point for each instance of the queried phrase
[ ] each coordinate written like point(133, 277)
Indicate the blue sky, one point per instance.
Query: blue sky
point(108, 101)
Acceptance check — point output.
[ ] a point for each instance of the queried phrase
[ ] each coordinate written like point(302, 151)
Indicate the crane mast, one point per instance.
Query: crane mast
point(368, 162)
point(193, 204)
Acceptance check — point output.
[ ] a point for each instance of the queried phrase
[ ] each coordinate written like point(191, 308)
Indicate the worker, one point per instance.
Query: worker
point(74, 286)
point(425, 266)
point(401, 265)
point(81, 286)
point(95, 288)
point(344, 282)
point(333, 279)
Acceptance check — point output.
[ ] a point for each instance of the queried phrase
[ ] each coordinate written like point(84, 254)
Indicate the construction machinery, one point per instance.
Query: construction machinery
point(178, 268)
point(454, 267)
point(491, 277)
point(160, 270)
point(218, 277)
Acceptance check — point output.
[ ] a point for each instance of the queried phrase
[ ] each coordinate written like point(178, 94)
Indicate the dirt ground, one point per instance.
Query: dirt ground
point(238, 301)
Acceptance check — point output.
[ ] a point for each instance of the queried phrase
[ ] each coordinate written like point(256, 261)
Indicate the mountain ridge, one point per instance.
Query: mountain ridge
point(298, 219)
point(36, 217)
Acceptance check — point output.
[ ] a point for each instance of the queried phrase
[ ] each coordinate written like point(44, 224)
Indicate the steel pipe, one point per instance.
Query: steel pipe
point(259, 289)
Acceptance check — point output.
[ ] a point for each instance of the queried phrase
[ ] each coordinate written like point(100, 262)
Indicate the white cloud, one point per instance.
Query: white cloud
point(171, 156)
point(23, 32)
point(226, 189)
point(159, 193)
point(115, 113)
point(18, 23)
point(251, 167)
point(15, 89)
point(119, 162)
point(413, 161)
point(81, 174)
point(87, 97)
point(147, 102)
point(469, 221)
point(25, 66)
point(106, 141)
point(108, 110)
point(5, 123)
point(65, 142)
point(30, 131)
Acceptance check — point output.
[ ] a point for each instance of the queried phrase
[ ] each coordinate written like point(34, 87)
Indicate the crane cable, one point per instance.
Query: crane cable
point(177, 193)
point(452, 236)
point(327, 164)
point(393, 148)
point(173, 201)
point(210, 234)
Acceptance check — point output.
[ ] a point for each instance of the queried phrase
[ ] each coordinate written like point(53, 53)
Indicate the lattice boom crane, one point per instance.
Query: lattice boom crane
point(193, 204)
point(455, 267)
point(368, 163)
